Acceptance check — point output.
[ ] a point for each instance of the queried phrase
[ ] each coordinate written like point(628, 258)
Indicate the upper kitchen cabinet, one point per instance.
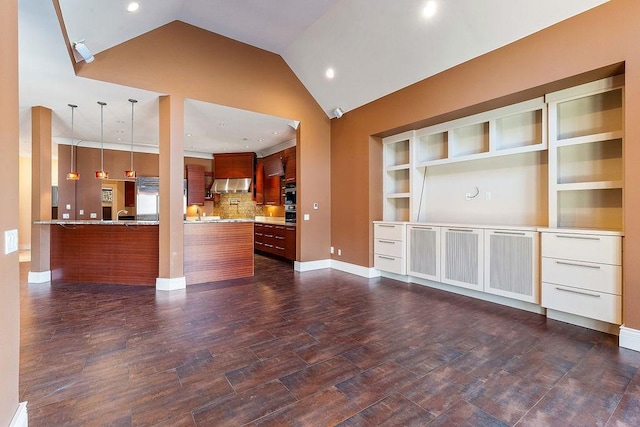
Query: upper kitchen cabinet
point(273, 165)
point(258, 187)
point(233, 165)
point(130, 194)
point(290, 165)
point(195, 185)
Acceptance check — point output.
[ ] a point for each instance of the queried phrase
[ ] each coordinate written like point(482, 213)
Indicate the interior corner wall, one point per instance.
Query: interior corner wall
point(183, 60)
point(9, 159)
point(569, 50)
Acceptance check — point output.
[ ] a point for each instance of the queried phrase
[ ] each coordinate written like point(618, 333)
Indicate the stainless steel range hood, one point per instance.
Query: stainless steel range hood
point(231, 185)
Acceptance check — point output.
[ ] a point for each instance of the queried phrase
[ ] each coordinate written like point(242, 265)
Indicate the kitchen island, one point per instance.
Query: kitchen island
point(218, 250)
point(127, 252)
point(105, 252)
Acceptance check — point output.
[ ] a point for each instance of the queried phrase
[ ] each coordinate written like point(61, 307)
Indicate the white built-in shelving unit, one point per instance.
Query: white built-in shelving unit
point(586, 144)
point(566, 148)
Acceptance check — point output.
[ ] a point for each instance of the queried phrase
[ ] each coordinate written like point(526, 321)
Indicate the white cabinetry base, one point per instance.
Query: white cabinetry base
point(574, 319)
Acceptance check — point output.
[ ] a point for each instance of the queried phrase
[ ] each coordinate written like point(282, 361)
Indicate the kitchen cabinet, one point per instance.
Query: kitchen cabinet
point(275, 239)
point(258, 187)
point(129, 194)
point(195, 185)
point(234, 165)
point(290, 165)
point(582, 274)
point(273, 165)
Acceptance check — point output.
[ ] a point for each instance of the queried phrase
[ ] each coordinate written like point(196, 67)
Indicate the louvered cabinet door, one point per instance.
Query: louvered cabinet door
point(462, 257)
point(423, 245)
point(511, 264)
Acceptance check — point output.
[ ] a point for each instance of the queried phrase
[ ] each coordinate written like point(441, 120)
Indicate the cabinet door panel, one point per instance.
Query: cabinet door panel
point(462, 257)
point(423, 245)
point(594, 305)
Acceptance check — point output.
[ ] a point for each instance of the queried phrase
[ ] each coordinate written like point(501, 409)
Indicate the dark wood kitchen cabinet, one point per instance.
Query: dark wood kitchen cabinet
point(130, 194)
point(195, 185)
point(275, 239)
point(234, 165)
point(289, 156)
point(258, 187)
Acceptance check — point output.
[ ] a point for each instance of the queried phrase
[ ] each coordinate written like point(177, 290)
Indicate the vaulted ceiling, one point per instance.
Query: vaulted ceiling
point(374, 46)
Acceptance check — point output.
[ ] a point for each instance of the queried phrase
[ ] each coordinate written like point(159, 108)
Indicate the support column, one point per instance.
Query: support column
point(40, 194)
point(171, 274)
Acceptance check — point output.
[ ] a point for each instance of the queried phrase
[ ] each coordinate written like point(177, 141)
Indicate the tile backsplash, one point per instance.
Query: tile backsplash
point(238, 205)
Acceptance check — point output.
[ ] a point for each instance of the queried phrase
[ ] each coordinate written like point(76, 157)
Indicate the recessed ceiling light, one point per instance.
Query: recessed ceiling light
point(260, 140)
point(133, 6)
point(330, 73)
point(275, 133)
point(429, 8)
point(187, 134)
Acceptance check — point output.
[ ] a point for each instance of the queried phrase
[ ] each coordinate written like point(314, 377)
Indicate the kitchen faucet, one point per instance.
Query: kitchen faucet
point(124, 211)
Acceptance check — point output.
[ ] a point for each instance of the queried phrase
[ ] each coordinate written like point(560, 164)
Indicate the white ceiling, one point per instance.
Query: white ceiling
point(375, 46)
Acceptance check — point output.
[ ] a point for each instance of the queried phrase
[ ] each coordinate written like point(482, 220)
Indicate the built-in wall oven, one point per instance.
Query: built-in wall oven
point(290, 204)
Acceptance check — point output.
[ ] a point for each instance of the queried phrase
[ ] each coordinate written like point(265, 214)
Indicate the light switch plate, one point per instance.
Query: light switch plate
point(306, 217)
point(65, 216)
point(10, 241)
point(315, 206)
point(93, 215)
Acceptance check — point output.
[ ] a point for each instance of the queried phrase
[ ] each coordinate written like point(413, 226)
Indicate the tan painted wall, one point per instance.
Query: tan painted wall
point(560, 56)
point(182, 60)
point(10, 301)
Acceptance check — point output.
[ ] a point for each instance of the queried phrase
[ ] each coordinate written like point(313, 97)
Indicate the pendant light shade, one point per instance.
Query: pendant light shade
point(102, 174)
point(72, 175)
point(131, 173)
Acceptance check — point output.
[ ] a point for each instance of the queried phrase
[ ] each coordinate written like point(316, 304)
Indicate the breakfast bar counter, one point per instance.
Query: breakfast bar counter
point(105, 252)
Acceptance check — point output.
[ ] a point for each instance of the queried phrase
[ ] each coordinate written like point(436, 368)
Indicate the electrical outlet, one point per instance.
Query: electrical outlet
point(331, 250)
point(234, 201)
point(65, 216)
point(93, 215)
point(68, 207)
point(10, 241)
point(487, 195)
point(81, 212)
point(339, 252)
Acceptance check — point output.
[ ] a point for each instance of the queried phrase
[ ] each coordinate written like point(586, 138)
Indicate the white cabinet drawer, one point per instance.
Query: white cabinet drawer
point(393, 248)
point(389, 263)
point(594, 305)
point(388, 231)
point(583, 247)
point(596, 277)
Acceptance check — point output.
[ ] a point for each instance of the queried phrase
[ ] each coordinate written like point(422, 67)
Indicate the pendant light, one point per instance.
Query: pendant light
point(72, 175)
point(102, 174)
point(131, 173)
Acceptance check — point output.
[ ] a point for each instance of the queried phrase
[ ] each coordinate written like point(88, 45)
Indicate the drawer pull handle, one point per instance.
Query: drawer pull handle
point(510, 233)
point(386, 226)
point(596, 267)
point(465, 230)
point(578, 292)
point(562, 236)
point(387, 241)
point(422, 228)
point(386, 257)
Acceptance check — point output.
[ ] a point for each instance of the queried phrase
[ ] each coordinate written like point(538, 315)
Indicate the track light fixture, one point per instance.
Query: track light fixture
point(84, 51)
point(338, 112)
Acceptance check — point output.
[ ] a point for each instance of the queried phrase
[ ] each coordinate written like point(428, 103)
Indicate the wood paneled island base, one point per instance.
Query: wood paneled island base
point(124, 253)
point(217, 250)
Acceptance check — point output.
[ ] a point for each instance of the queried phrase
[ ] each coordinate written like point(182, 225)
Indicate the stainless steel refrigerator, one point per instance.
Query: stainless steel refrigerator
point(147, 198)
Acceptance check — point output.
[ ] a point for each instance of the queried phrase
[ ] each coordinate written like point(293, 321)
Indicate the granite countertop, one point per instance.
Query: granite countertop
point(95, 222)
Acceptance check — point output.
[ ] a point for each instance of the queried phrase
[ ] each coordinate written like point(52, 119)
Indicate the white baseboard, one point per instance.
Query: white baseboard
point(39, 276)
point(629, 338)
point(358, 270)
point(311, 265)
point(21, 417)
point(171, 284)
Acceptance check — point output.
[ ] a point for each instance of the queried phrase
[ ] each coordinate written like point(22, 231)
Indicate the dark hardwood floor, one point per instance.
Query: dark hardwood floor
point(320, 348)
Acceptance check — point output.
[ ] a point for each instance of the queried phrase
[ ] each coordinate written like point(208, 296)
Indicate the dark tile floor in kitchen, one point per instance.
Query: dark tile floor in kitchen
point(315, 349)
